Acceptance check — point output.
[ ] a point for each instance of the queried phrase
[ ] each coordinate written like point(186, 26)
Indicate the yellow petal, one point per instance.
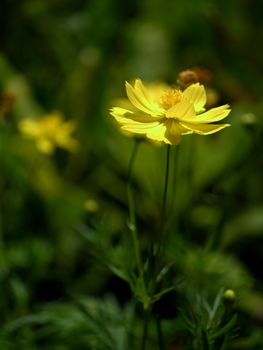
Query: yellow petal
point(138, 98)
point(63, 138)
point(181, 110)
point(51, 122)
point(155, 91)
point(134, 122)
point(140, 90)
point(45, 146)
point(172, 139)
point(153, 131)
point(67, 143)
point(120, 112)
point(211, 116)
point(157, 133)
point(204, 129)
point(174, 131)
point(167, 132)
point(123, 116)
point(176, 128)
point(30, 128)
point(195, 93)
point(139, 128)
point(68, 127)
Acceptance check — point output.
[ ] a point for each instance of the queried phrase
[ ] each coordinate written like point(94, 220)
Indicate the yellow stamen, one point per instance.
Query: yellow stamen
point(170, 98)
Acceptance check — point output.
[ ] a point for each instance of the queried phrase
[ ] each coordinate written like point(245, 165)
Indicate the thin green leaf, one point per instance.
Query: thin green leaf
point(225, 329)
point(163, 292)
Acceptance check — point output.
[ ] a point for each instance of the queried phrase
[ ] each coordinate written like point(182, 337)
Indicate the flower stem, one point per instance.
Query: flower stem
point(145, 329)
point(157, 251)
point(165, 188)
point(162, 233)
point(132, 216)
point(160, 334)
point(215, 240)
point(174, 185)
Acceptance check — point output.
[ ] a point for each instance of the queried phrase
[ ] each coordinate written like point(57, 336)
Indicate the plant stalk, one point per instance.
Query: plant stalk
point(145, 329)
point(160, 334)
point(132, 216)
point(166, 178)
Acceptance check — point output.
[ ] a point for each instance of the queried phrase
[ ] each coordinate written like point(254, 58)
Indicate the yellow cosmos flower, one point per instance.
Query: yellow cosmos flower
point(163, 114)
point(50, 132)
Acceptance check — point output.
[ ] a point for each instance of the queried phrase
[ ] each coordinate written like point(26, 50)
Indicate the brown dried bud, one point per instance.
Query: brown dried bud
point(204, 75)
point(186, 78)
point(6, 101)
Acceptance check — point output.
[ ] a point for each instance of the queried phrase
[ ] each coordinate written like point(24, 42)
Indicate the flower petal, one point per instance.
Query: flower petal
point(168, 132)
point(172, 139)
point(181, 110)
point(155, 91)
point(139, 128)
point(157, 133)
point(195, 93)
point(30, 128)
point(122, 116)
point(204, 129)
point(175, 127)
point(45, 145)
point(138, 97)
point(211, 116)
point(174, 131)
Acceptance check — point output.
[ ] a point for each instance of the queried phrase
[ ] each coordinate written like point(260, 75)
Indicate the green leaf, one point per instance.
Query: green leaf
point(188, 322)
point(219, 343)
point(118, 271)
point(225, 329)
point(163, 292)
point(163, 272)
point(204, 340)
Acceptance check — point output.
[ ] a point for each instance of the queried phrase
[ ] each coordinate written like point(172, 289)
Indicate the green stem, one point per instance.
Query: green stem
point(191, 160)
point(174, 184)
point(145, 329)
point(132, 215)
point(158, 253)
point(160, 334)
point(165, 188)
point(161, 233)
point(215, 240)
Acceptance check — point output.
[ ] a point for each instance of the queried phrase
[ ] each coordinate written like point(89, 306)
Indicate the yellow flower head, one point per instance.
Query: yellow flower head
point(50, 132)
point(163, 114)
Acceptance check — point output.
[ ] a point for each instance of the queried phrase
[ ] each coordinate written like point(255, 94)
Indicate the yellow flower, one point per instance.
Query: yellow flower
point(163, 114)
point(50, 132)
point(91, 205)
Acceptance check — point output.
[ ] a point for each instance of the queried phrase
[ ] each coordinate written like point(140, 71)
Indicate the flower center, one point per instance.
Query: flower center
point(170, 98)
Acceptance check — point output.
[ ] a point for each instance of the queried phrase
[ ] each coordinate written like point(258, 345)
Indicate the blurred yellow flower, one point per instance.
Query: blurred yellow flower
point(91, 205)
point(163, 114)
point(50, 132)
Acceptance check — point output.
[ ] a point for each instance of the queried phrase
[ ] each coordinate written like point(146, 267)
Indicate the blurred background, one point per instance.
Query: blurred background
point(63, 232)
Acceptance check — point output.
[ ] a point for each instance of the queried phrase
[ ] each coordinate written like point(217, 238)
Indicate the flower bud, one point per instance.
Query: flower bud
point(229, 295)
point(248, 119)
point(186, 78)
point(91, 205)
